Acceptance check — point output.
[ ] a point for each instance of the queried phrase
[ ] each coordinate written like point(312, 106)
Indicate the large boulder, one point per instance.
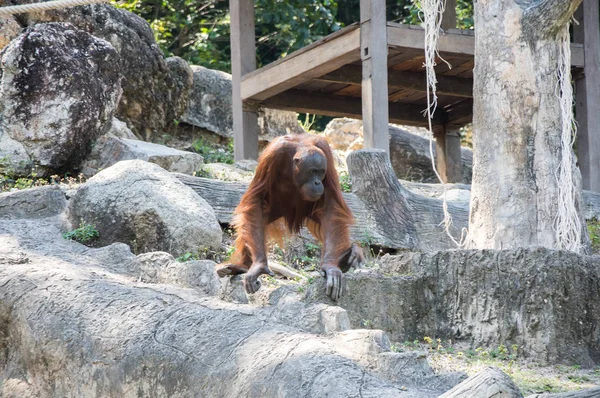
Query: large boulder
point(109, 150)
point(155, 89)
point(144, 206)
point(210, 108)
point(55, 104)
point(541, 300)
point(73, 325)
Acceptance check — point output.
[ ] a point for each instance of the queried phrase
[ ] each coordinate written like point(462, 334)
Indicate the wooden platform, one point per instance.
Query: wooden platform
point(325, 77)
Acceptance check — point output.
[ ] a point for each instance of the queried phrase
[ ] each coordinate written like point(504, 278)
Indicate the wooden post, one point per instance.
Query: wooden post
point(449, 15)
point(243, 61)
point(374, 50)
point(448, 155)
point(587, 95)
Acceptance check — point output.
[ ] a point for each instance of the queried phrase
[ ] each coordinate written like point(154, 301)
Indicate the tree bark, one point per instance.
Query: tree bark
point(517, 123)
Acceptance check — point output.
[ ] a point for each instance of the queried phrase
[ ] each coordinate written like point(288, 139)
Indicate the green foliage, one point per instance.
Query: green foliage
point(345, 182)
point(86, 233)
point(593, 226)
point(199, 30)
point(310, 259)
point(214, 153)
point(205, 253)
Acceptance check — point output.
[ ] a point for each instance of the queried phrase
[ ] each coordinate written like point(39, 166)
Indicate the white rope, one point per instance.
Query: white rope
point(49, 5)
point(567, 225)
point(431, 19)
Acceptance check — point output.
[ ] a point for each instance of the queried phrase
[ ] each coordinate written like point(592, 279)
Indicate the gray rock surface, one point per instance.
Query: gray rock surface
point(54, 104)
point(119, 129)
point(543, 301)
point(109, 150)
point(39, 202)
point(489, 383)
point(411, 158)
point(155, 89)
point(341, 133)
point(9, 29)
point(589, 393)
point(210, 108)
point(72, 325)
point(144, 206)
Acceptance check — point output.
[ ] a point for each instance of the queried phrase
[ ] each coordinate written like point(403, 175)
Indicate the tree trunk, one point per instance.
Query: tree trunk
point(517, 123)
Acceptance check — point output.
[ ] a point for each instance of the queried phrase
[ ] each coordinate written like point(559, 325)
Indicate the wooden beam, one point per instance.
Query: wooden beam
point(319, 58)
point(343, 106)
point(374, 56)
point(448, 155)
point(452, 42)
point(243, 61)
point(458, 114)
point(397, 80)
point(587, 96)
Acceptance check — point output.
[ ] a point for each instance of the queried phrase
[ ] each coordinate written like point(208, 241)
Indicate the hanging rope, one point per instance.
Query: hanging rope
point(431, 18)
point(49, 5)
point(567, 224)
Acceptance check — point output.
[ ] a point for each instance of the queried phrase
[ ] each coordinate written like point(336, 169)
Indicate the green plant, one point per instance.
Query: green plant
point(86, 233)
point(206, 253)
point(186, 257)
point(203, 172)
point(306, 121)
point(593, 227)
point(213, 153)
point(345, 182)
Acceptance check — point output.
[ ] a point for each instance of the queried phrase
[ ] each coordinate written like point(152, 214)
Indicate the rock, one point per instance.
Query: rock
point(273, 123)
point(144, 206)
point(155, 89)
point(119, 129)
point(246, 164)
point(209, 105)
point(232, 290)
point(489, 383)
point(108, 150)
point(39, 202)
point(411, 158)
point(55, 104)
point(98, 333)
point(342, 133)
point(457, 195)
point(409, 151)
point(541, 300)
point(225, 172)
point(160, 267)
point(210, 108)
point(589, 393)
point(9, 29)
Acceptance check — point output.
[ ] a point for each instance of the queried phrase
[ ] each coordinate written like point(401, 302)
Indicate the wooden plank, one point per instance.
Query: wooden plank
point(374, 56)
point(324, 56)
point(448, 155)
point(587, 100)
point(459, 69)
point(452, 42)
point(404, 80)
point(243, 61)
point(340, 106)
